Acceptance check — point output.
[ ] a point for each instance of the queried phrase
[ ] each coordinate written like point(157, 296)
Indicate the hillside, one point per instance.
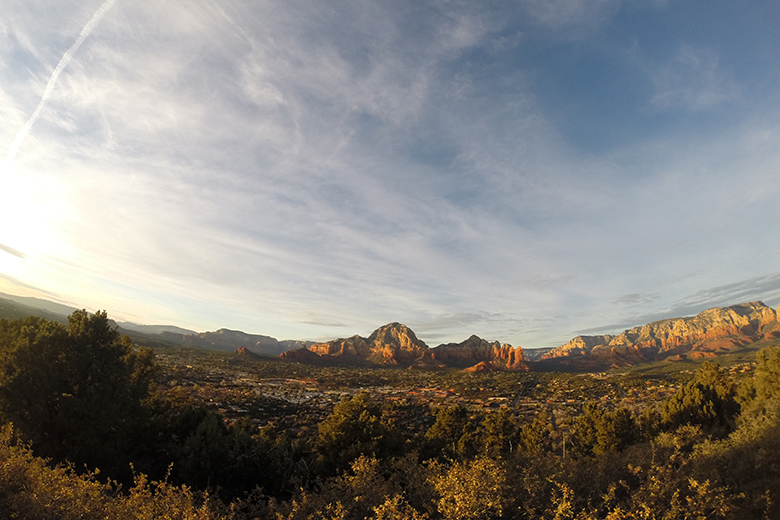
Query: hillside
point(12, 309)
point(231, 340)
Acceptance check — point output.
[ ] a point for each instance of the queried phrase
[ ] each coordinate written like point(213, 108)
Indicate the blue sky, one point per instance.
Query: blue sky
point(525, 171)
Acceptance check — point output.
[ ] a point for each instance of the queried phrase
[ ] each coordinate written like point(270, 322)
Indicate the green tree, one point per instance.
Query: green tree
point(535, 436)
point(76, 392)
point(764, 387)
point(585, 433)
point(454, 433)
point(356, 427)
point(707, 400)
point(499, 432)
point(597, 432)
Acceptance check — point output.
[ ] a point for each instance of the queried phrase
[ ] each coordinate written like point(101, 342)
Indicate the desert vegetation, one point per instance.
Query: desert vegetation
point(95, 426)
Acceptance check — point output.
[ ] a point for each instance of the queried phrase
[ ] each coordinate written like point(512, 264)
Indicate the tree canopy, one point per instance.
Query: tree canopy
point(76, 391)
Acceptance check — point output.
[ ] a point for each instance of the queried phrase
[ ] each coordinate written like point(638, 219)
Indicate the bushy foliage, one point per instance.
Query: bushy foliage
point(364, 491)
point(30, 489)
point(356, 427)
point(597, 432)
point(453, 434)
point(709, 451)
point(473, 489)
point(76, 392)
point(707, 400)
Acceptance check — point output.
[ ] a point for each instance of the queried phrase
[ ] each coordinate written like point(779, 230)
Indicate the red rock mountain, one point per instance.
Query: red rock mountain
point(711, 331)
point(396, 344)
point(302, 355)
point(392, 344)
point(475, 350)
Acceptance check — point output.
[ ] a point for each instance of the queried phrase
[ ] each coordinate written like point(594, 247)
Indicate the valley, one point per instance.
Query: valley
point(386, 423)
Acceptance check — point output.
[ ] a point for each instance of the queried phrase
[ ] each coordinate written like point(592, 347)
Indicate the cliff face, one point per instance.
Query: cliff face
point(397, 344)
point(579, 346)
point(354, 347)
point(475, 350)
point(750, 321)
point(710, 330)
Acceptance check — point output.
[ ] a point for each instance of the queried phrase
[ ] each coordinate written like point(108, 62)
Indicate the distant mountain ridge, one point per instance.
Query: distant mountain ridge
point(40, 304)
point(153, 329)
point(231, 340)
point(12, 309)
point(708, 333)
point(711, 332)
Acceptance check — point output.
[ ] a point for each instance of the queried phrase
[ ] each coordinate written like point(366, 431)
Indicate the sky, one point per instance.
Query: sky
point(526, 171)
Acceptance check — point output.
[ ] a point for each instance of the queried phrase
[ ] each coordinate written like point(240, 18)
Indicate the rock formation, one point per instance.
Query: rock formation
point(396, 344)
point(354, 347)
point(581, 345)
point(711, 330)
point(391, 344)
point(482, 366)
point(475, 350)
point(303, 355)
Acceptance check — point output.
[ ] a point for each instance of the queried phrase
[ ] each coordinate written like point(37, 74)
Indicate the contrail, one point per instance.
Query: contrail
point(54, 75)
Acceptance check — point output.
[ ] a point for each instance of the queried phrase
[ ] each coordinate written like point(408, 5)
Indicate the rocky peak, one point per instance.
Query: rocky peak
point(392, 344)
point(396, 335)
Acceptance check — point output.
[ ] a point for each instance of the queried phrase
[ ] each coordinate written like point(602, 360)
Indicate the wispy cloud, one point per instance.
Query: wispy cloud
point(324, 323)
point(693, 80)
point(22, 133)
point(760, 287)
point(634, 299)
point(767, 286)
point(572, 15)
point(14, 285)
point(12, 251)
point(287, 166)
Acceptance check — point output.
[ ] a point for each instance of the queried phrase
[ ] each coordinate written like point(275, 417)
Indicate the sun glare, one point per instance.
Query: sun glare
point(29, 205)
